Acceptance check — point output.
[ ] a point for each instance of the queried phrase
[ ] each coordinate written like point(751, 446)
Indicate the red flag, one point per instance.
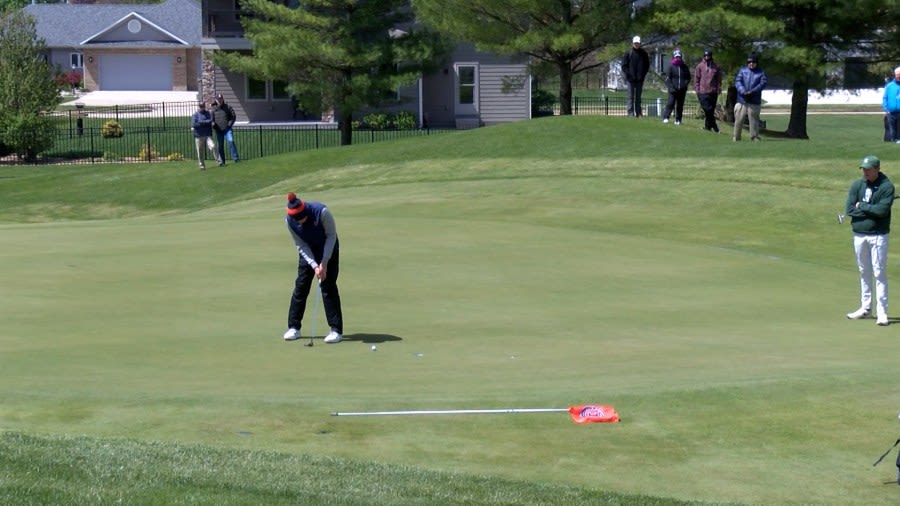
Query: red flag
point(593, 413)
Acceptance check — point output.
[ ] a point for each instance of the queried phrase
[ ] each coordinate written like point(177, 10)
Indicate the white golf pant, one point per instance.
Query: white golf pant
point(871, 258)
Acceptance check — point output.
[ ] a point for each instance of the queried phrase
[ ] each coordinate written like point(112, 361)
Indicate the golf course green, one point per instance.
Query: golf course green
point(696, 284)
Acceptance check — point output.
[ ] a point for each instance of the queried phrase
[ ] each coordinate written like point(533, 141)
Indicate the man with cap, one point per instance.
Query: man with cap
point(201, 124)
point(708, 85)
point(223, 122)
point(868, 205)
point(313, 230)
point(750, 82)
point(635, 65)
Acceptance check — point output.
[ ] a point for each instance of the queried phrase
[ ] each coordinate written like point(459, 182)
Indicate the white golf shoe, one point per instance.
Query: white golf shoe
point(292, 335)
point(858, 314)
point(333, 337)
point(882, 320)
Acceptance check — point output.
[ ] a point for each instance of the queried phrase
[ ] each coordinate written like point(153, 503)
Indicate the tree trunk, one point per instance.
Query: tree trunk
point(730, 101)
point(345, 125)
point(565, 89)
point(799, 103)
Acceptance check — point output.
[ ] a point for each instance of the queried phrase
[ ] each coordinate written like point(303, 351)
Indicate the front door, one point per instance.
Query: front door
point(466, 89)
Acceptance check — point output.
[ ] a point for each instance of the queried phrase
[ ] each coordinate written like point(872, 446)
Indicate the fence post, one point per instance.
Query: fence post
point(259, 129)
point(575, 110)
point(149, 149)
point(606, 104)
point(317, 136)
point(91, 132)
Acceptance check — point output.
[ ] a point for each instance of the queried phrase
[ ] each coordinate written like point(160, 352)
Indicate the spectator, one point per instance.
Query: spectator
point(750, 82)
point(201, 124)
point(635, 65)
point(223, 122)
point(708, 85)
point(890, 102)
point(678, 78)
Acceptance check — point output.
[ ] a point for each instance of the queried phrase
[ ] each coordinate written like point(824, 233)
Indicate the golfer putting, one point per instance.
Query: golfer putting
point(313, 230)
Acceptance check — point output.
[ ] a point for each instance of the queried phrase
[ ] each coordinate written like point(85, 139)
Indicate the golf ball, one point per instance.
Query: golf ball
point(374, 347)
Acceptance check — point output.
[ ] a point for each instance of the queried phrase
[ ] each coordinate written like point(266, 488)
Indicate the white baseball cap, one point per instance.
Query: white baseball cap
point(636, 39)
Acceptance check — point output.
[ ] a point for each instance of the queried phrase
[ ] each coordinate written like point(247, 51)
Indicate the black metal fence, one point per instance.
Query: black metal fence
point(81, 144)
point(605, 105)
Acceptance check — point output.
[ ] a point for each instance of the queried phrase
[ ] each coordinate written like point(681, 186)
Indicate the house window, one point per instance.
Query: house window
point(466, 78)
point(76, 60)
point(279, 90)
point(256, 89)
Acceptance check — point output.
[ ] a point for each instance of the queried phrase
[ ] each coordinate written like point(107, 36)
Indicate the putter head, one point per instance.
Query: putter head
point(309, 344)
point(840, 219)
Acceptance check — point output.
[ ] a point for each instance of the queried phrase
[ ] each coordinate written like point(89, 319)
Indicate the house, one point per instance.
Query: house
point(473, 89)
point(131, 47)
point(124, 46)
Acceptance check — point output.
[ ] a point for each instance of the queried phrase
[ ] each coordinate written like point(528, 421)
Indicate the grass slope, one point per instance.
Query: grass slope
point(696, 284)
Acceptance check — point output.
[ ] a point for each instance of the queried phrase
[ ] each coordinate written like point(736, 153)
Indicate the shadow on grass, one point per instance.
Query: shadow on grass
point(372, 338)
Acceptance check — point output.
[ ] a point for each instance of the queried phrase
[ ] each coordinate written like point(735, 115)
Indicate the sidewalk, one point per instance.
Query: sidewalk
point(838, 97)
point(101, 98)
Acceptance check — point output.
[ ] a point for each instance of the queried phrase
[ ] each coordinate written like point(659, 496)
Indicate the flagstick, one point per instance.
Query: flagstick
point(450, 412)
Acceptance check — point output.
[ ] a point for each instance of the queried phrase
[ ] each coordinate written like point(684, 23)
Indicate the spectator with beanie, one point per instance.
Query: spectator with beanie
point(868, 204)
point(750, 82)
point(635, 65)
point(708, 85)
point(678, 78)
point(313, 230)
point(201, 124)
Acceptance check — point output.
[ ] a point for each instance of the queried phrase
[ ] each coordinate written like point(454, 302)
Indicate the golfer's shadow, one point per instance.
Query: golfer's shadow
point(372, 338)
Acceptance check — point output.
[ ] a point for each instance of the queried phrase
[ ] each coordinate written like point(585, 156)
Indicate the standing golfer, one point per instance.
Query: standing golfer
point(312, 227)
point(868, 205)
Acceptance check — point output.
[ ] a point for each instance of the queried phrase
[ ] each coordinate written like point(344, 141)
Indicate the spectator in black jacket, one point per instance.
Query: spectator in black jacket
point(678, 78)
point(635, 65)
point(223, 121)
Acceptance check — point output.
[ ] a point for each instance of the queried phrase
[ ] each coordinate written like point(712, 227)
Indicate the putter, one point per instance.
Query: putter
point(316, 296)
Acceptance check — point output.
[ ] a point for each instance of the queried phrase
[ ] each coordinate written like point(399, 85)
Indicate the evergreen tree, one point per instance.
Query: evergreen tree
point(343, 54)
point(27, 88)
point(563, 34)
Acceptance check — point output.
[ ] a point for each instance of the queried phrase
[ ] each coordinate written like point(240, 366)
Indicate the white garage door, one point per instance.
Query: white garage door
point(135, 72)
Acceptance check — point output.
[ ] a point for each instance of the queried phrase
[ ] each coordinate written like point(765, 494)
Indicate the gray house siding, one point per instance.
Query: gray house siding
point(504, 93)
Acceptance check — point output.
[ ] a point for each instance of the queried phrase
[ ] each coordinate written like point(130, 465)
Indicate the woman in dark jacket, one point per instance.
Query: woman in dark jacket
point(678, 78)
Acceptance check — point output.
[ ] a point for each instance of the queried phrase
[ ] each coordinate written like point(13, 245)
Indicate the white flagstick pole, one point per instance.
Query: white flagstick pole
point(450, 412)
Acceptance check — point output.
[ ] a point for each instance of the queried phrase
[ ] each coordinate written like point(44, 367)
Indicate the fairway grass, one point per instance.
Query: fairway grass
point(697, 285)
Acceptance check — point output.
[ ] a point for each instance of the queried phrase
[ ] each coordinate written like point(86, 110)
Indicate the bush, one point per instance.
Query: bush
point(148, 152)
point(542, 102)
point(405, 120)
point(29, 135)
point(175, 157)
point(111, 129)
point(377, 121)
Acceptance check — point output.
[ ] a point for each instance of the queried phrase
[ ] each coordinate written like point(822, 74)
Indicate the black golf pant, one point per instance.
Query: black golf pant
point(708, 104)
point(331, 298)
